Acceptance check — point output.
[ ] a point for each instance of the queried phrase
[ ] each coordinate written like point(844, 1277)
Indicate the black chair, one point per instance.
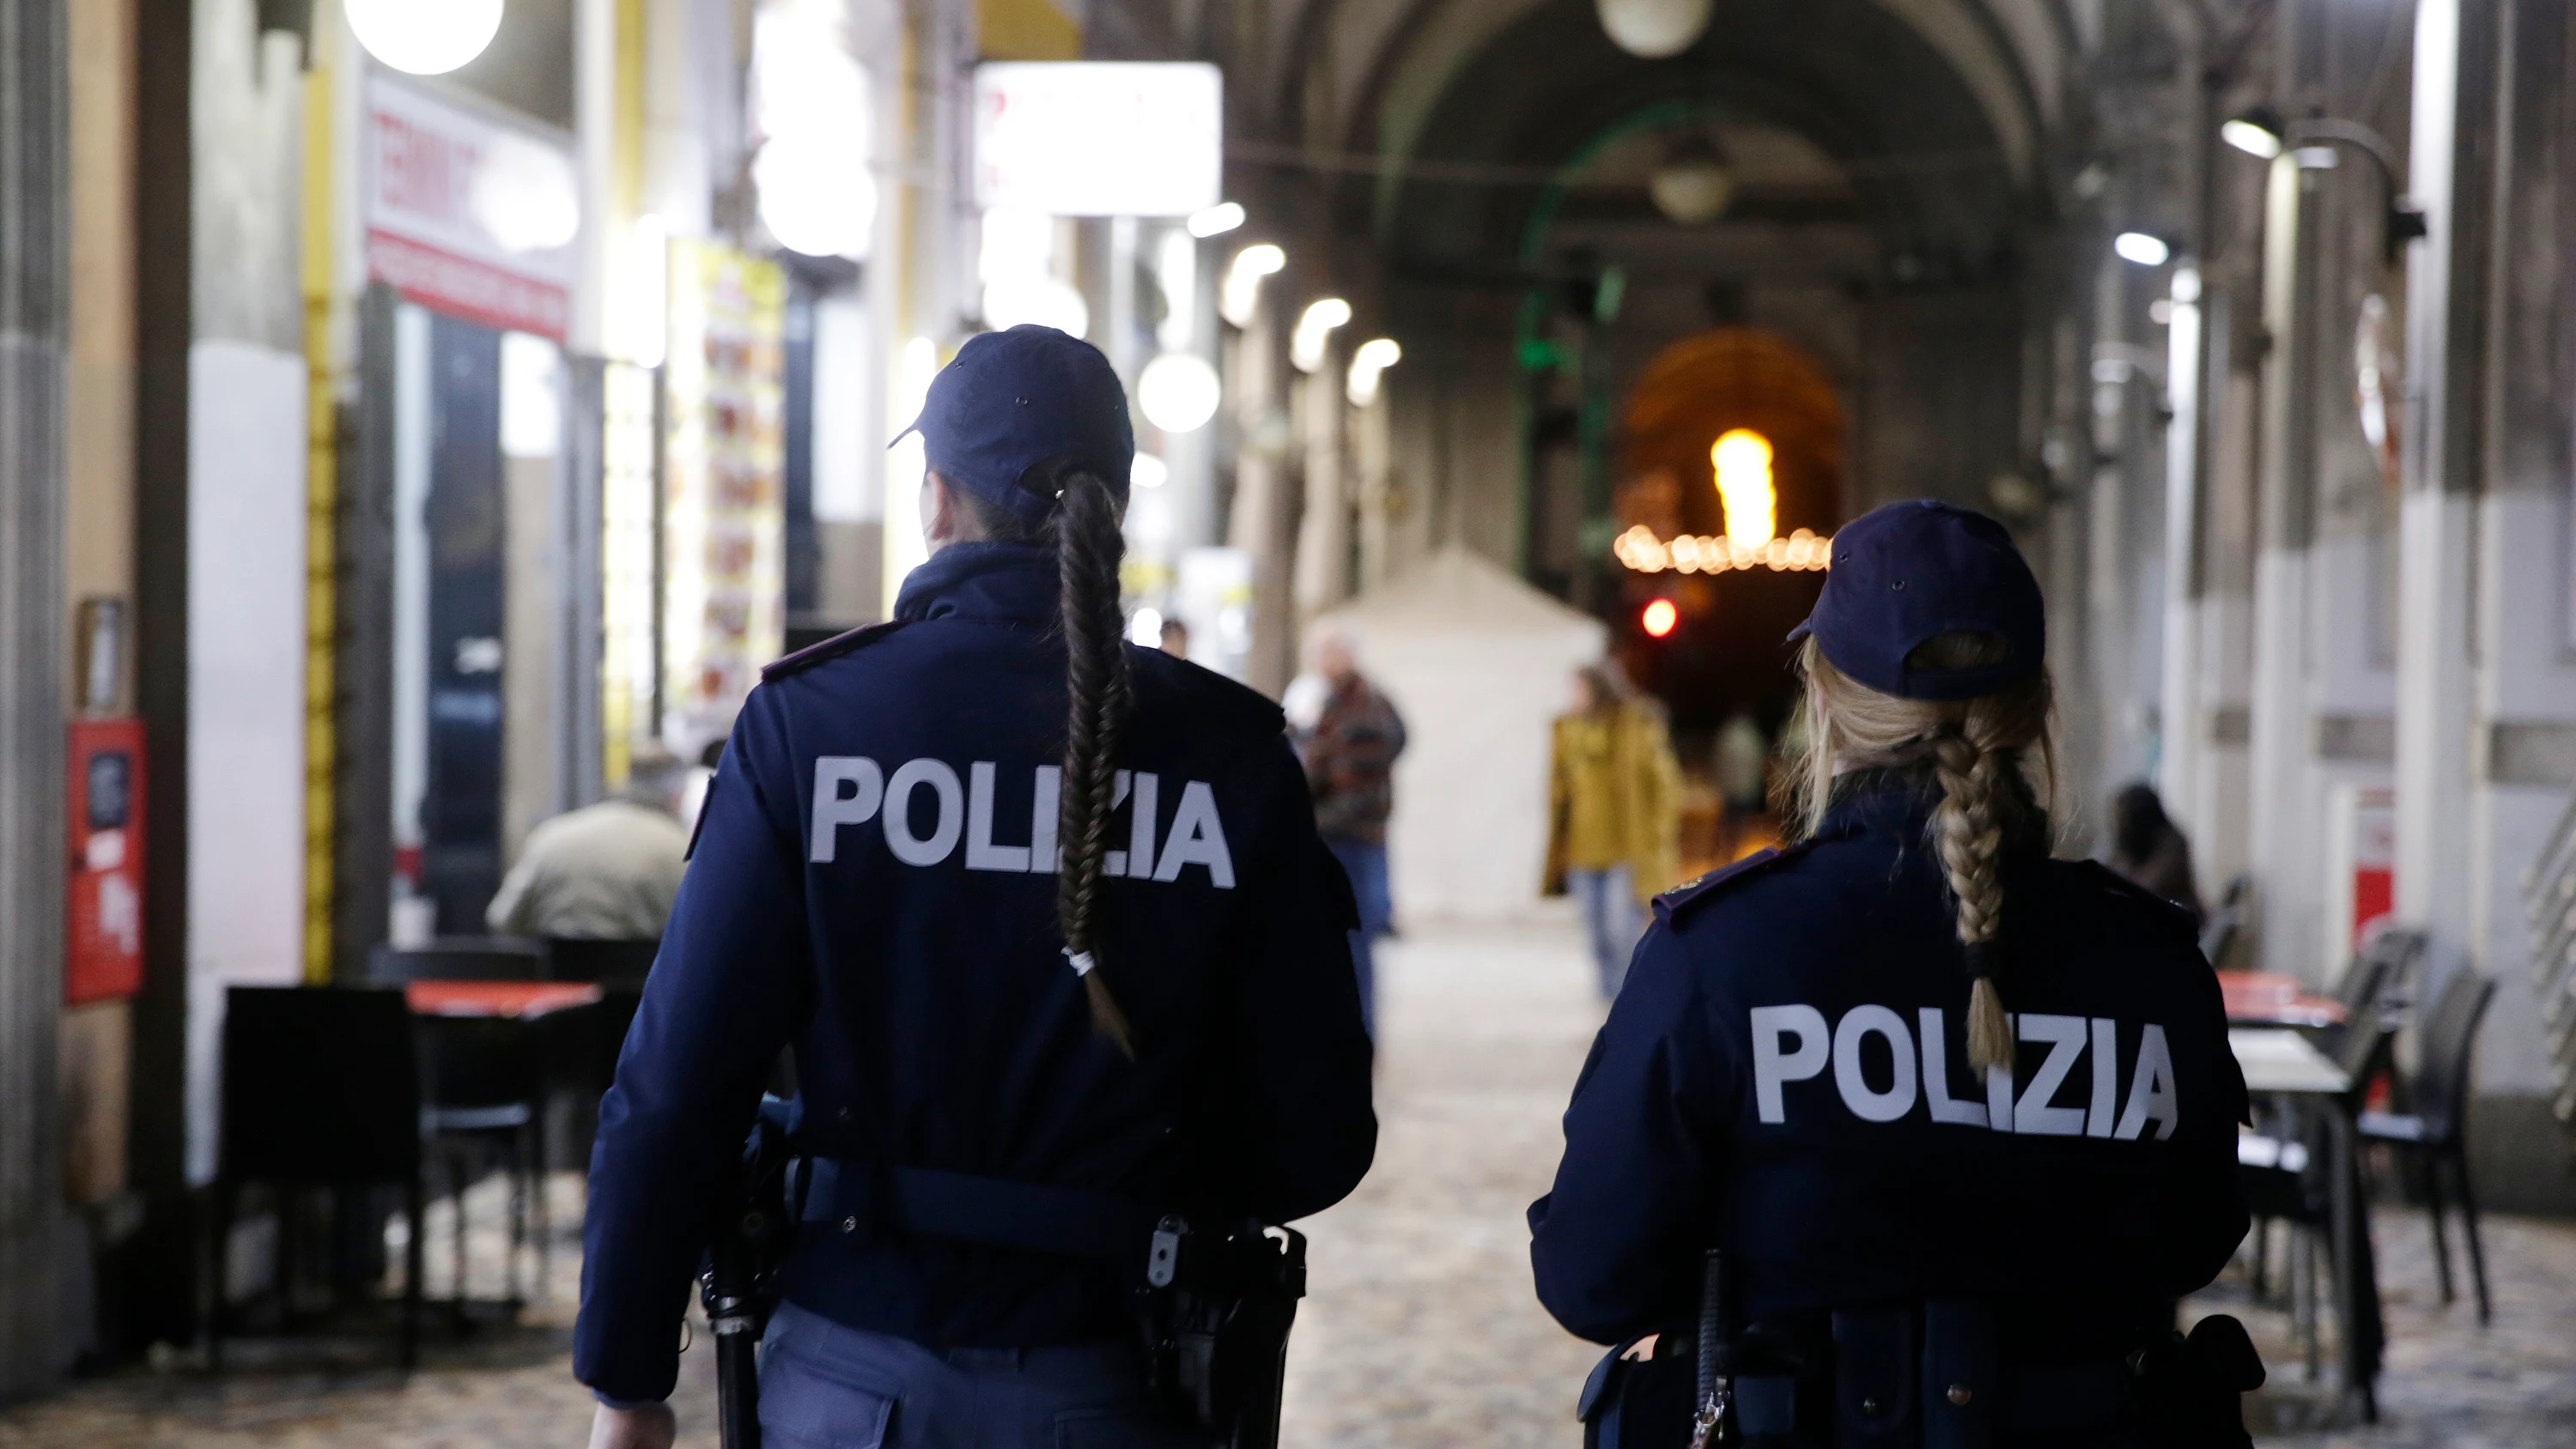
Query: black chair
point(486, 1099)
point(321, 1088)
point(2218, 930)
point(459, 958)
point(610, 963)
point(2435, 1134)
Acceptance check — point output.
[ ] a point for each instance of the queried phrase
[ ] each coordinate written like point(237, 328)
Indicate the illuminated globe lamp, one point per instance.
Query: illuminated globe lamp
point(1178, 392)
point(424, 38)
point(1653, 29)
point(1692, 184)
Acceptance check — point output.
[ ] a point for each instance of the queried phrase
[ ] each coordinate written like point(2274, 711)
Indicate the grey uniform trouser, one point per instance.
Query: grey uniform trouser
point(825, 1386)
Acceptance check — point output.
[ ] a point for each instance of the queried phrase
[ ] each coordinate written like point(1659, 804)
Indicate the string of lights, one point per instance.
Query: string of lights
point(1639, 549)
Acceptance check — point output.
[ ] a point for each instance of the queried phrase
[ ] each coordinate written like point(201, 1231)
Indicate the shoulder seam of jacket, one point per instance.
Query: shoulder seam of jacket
point(828, 650)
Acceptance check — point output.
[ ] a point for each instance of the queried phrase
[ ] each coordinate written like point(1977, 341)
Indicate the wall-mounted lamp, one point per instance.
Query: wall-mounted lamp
point(2259, 132)
point(1216, 220)
point(2144, 248)
point(1368, 368)
point(1240, 296)
point(1315, 329)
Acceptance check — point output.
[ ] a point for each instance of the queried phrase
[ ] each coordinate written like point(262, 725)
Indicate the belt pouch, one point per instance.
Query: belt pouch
point(1873, 1378)
point(1959, 1374)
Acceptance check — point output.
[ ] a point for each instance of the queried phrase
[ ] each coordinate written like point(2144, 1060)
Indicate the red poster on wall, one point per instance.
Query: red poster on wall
point(103, 935)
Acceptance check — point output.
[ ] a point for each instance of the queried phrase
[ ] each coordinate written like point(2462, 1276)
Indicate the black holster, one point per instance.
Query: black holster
point(738, 1282)
point(1214, 1315)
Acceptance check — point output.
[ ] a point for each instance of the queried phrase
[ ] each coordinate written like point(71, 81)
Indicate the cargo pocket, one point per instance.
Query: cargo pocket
point(803, 1407)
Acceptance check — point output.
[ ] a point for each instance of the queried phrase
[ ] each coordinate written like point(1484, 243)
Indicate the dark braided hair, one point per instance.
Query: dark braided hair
point(1083, 528)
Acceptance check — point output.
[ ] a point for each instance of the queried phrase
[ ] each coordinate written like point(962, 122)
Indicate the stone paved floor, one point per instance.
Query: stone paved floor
point(1421, 1330)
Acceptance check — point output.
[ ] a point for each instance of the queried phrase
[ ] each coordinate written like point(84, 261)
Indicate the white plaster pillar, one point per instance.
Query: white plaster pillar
point(2436, 558)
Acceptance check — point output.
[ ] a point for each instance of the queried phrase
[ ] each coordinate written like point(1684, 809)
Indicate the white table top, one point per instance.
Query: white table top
point(2276, 1059)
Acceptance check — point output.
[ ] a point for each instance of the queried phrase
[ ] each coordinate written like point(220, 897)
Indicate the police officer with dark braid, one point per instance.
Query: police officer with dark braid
point(1957, 1119)
point(1046, 923)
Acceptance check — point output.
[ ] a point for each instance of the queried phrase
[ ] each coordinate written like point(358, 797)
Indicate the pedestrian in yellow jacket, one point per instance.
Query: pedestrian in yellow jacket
point(1614, 808)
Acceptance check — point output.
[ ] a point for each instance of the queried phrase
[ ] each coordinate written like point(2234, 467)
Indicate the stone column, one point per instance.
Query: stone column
point(34, 288)
point(2445, 295)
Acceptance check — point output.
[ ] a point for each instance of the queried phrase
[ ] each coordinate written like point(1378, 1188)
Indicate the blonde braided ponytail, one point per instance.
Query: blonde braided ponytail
point(1978, 750)
point(1969, 828)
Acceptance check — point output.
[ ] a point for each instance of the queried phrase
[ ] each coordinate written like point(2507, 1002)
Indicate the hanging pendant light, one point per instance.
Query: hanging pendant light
point(1653, 29)
point(1692, 184)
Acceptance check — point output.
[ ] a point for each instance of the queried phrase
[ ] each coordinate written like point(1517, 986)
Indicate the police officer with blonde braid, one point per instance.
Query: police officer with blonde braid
point(1916, 1131)
point(1061, 960)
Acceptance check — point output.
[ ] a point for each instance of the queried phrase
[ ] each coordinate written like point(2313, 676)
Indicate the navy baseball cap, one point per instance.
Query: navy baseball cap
point(1910, 571)
point(1013, 399)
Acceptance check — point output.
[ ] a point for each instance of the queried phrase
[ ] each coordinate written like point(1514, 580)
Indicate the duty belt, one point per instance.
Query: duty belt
point(871, 1198)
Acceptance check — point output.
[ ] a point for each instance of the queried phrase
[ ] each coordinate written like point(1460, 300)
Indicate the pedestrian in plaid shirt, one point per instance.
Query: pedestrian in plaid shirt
point(1349, 747)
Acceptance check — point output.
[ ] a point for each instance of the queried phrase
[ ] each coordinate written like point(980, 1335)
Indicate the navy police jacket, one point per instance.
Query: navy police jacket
point(873, 882)
point(1785, 1076)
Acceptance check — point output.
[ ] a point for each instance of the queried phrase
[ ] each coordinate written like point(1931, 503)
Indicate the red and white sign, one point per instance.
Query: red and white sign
point(469, 215)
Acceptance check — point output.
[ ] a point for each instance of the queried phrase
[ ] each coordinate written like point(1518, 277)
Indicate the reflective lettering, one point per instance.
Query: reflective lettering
point(2106, 1077)
point(2151, 1090)
point(1936, 1076)
point(1140, 830)
point(1046, 807)
point(832, 809)
point(1999, 1090)
point(1197, 838)
point(942, 780)
point(981, 852)
point(1872, 1106)
point(2065, 1036)
point(1771, 1066)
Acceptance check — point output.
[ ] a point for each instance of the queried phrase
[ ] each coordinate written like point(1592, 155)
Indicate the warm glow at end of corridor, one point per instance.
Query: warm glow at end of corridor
point(1743, 460)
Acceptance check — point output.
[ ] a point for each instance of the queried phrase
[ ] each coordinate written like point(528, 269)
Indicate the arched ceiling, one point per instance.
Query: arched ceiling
point(1378, 67)
point(1941, 110)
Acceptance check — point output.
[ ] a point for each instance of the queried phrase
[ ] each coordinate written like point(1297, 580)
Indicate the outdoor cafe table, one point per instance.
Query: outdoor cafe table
point(2282, 1064)
point(2269, 998)
point(511, 1000)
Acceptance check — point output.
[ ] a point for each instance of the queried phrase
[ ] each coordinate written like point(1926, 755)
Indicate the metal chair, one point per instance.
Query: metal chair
point(2286, 1177)
point(321, 1088)
point(487, 1094)
point(2218, 931)
point(2435, 1134)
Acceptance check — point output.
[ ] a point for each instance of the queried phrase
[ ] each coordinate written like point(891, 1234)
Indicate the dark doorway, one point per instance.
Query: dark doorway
point(463, 516)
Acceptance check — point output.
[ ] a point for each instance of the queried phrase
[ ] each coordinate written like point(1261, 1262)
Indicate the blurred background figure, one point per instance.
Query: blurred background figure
point(1176, 638)
point(1742, 761)
point(2149, 849)
point(605, 872)
point(1614, 799)
point(1349, 735)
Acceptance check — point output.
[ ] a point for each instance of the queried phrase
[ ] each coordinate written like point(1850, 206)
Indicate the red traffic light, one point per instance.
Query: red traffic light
point(1659, 618)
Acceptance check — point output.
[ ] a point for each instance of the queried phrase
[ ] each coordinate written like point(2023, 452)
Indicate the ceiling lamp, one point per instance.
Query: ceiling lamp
point(1653, 29)
point(1693, 183)
point(424, 39)
point(1742, 458)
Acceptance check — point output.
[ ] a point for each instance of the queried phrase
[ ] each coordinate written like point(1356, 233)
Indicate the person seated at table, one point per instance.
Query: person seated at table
point(1815, 1072)
point(605, 872)
point(2150, 850)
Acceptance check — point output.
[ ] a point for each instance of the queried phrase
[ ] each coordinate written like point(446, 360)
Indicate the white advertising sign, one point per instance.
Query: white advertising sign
point(469, 215)
point(1099, 138)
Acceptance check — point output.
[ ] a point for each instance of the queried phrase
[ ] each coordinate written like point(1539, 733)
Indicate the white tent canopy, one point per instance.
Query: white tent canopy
point(1479, 664)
